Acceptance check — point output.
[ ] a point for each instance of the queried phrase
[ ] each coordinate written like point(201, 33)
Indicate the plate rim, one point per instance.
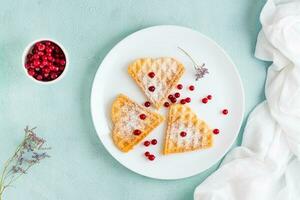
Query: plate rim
point(219, 158)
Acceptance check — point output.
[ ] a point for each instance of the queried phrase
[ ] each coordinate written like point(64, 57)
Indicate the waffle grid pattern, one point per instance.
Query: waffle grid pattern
point(125, 117)
point(167, 71)
point(181, 118)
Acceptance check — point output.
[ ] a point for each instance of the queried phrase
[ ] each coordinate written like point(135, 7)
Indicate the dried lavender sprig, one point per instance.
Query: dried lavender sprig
point(27, 154)
point(7, 163)
point(188, 55)
point(200, 69)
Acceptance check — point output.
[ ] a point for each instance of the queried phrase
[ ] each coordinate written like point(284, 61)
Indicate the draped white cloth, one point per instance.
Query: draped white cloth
point(267, 165)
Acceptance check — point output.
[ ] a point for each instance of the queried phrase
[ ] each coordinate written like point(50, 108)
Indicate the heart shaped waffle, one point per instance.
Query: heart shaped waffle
point(126, 118)
point(156, 77)
point(196, 133)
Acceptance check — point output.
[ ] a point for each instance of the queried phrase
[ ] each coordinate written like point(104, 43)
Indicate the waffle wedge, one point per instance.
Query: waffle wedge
point(167, 72)
point(198, 134)
point(125, 116)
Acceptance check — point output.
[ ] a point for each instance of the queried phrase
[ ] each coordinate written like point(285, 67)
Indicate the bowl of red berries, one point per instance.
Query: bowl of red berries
point(45, 61)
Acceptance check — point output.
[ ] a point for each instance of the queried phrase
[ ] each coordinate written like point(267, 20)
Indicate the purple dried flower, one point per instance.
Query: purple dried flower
point(38, 157)
point(200, 69)
point(28, 153)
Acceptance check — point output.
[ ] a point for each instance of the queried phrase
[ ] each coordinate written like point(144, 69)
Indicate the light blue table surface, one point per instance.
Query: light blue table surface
point(80, 167)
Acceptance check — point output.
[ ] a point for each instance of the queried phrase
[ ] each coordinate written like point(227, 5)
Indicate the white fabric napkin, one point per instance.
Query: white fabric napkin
point(267, 165)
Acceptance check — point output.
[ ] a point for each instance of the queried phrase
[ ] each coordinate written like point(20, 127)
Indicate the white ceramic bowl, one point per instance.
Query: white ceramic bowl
point(29, 47)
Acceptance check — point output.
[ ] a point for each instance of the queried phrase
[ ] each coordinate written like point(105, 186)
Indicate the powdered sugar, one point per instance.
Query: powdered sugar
point(130, 120)
point(165, 69)
point(193, 134)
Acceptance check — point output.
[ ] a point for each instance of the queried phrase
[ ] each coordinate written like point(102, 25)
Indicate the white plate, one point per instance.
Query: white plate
point(223, 83)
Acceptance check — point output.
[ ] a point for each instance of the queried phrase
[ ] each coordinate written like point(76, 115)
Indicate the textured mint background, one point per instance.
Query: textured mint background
point(80, 167)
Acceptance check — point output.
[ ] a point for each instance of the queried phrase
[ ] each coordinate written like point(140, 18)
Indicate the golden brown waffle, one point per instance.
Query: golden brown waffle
point(198, 134)
point(167, 73)
point(125, 116)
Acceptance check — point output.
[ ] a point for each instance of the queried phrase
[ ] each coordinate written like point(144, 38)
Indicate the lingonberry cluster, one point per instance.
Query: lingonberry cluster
point(45, 61)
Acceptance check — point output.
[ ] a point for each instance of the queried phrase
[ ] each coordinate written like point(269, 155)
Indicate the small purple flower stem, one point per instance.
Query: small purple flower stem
point(186, 53)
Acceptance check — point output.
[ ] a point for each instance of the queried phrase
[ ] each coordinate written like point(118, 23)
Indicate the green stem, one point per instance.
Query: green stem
point(186, 53)
point(7, 163)
point(1, 190)
point(5, 173)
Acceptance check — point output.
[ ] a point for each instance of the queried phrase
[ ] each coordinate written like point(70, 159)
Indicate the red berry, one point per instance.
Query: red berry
point(36, 63)
point(147, 153)
point(41, 47)
point(53, 76)
point(49, 50)
point(216, 131)
point(188, 99)
point(31, 72)
point(142, 116)
point(225, 111)
point(151, 88)
point(44, 62)
point(182, 133)
point(40, 53)
point(39, 77)
point(37, 44)
point(154, 142)
point(36, 56)
point(27, 65)
point(209, 97)
point(151, 74)
point(50, 58)
point(182, 101)
point(147, 104)
point(62, 62)
point(29, 56)
point(170, 97)
point(34, 50)
point(177, 94)
point(204, 100)
point(151, 157)
point(51, 67)
point(173, 100)
point(146, 143)
point(61, 68)
point(191, 88)
point(179, 86)
point(166, 104)
point(137, 132)
point(44, 57)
